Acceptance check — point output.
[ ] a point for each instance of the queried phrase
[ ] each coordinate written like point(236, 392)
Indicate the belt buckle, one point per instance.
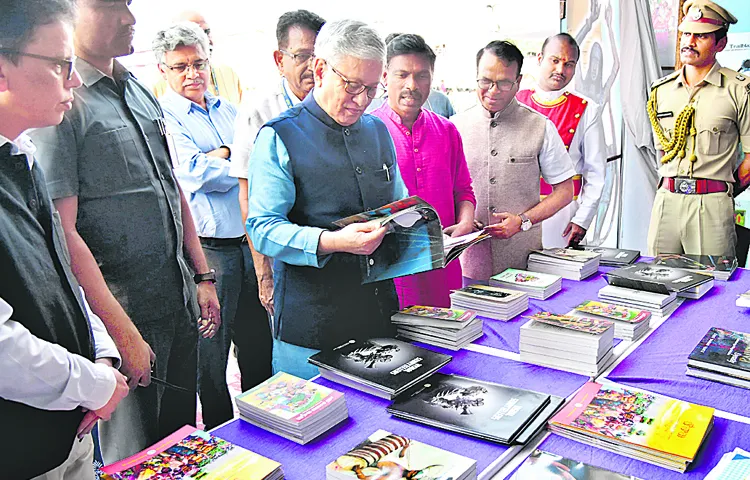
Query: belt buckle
point(686, 186)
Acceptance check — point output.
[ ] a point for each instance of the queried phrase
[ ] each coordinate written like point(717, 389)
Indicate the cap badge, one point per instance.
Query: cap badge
point(695, 13)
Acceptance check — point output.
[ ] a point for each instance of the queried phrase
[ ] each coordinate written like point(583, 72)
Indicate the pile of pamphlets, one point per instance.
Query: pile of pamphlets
point(491, 302)
point(537, 285)
point(445, 327)
point(293, 408)
point(567, 262)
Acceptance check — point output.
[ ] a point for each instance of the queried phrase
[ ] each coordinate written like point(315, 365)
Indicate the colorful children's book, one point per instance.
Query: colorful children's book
point(594, 326)
point(722, 350)
point(434, 316)
point(512, 276)
point(190, 453)
point(613, 312)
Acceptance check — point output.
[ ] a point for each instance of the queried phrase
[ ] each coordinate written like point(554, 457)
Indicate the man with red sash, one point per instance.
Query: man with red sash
point(580, 127)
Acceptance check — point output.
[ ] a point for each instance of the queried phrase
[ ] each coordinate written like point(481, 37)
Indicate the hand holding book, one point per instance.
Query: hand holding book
point(357, 238)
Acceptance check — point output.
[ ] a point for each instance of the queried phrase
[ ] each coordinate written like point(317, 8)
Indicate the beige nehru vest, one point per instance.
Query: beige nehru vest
point(502, 152)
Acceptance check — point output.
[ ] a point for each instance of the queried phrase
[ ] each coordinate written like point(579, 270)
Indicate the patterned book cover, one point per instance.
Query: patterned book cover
point(526, 279)
point(290, 397)
point(631, 416)
point(706, 263)
point(385, 455)
point(656, 278)
point(190, 453)
point(488, 293)
point(438, 313)
point(542, 465)
point(614, 312)
point(724, 348)
point(573, 255)
point(594, 326)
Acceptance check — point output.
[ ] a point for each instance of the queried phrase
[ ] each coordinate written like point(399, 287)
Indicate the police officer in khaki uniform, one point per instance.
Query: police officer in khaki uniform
point(699, 116)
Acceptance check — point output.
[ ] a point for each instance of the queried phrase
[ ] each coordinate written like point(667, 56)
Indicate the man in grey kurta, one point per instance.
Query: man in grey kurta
point(508, 146)
point(129, 231)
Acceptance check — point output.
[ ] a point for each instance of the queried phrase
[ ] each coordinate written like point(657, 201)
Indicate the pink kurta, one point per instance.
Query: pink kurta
point(432, 164)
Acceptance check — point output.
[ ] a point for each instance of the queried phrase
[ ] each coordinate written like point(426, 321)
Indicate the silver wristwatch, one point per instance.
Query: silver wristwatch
point(525, 222)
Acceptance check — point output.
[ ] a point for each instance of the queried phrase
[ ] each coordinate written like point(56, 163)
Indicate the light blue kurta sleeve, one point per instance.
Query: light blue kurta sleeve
point(271, 197)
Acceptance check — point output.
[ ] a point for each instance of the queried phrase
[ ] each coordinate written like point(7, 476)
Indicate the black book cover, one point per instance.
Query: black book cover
point(723, 348)
point(702, 263)
point(466, 405)
point(615, 256)
point(386, 363)
point(655, 278)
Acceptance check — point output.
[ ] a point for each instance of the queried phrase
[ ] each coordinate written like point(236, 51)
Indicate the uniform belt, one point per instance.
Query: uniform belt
point(693, 186)
point(545, 188)
point(222, 242)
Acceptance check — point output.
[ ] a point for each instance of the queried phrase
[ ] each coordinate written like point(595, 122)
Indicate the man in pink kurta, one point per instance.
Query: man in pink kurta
point(431, 160)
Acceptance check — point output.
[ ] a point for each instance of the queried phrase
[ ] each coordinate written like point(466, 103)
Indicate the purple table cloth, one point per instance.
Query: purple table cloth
point(723, 438)
point(505, 335)
point(367, 414)
point(659, 363)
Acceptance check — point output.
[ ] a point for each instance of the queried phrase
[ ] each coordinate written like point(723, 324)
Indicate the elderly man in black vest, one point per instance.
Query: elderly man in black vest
point(317, 162)
point(56, 359)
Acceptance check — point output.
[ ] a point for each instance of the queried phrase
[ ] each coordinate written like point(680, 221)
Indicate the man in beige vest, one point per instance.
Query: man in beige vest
point(699, 115)
point(508, 146)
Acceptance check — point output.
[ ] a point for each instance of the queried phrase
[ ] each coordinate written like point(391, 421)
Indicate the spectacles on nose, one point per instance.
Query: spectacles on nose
point(355, 88)
point(198, 66)
point(502, 85)
point(64, 65)
point(298, 58)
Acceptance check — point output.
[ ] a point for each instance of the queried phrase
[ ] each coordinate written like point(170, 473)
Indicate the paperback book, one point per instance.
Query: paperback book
point(190, 453)
point(541, 465)
point(567, 262)
point(723, 351)
point(383, 367)
point(485, 410)
point(414, 243)
point(615, 257)
point(491, 302)
point(593, 326)
point(720, 267)
point(645, 426)
point(537, 285)
point(657, 278)
point(450, 318)
point(660, 305)
point(386, 455)
point(630, 323)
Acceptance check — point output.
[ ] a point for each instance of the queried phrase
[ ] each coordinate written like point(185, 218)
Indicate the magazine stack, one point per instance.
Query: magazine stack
point(491, 302)
point(293, 408)
point(659, 304)
point(445, 327)
point(579, 345)
point(384, 367)
point(719, 267)
point(661, 279)
point(472, 407)
point(722, 356)
point(566, 262)
point(630, 324)
point(615, 257)
point(387, 455)
point(627, 421)
point(537, 285)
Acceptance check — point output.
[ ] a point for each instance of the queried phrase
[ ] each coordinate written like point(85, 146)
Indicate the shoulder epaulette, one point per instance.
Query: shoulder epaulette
point(664, 80)
point(736, 77)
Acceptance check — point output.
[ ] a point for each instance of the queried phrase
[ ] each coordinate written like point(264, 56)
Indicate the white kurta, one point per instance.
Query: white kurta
point(589, 155)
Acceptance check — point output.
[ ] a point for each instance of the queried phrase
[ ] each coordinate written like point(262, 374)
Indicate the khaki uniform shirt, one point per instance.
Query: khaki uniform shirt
point(722, 120)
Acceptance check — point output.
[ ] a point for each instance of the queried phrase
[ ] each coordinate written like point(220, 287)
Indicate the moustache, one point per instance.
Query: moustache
point(557, 76)
point(194, 81)
point(688, 49)
point(411, 94)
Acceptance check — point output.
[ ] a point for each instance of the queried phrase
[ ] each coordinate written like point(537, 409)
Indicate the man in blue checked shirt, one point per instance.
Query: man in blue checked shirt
point(201, 130)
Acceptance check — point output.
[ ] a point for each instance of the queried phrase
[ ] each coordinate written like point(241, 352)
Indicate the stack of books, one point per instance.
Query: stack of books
point(580, 345)
point(630, 323)
point(549, 466)
point(660, 305)
point(192, 453)
point(537, 285)
point(293, 408)
point(475, 408)
point(615, 257)
point(627, 421)
point(720, 267)
point(384, 367)
point(491, 302)
point(445, 327)
point(722, 356)
point(386, 455)
point(566, 262)
point(661, 279)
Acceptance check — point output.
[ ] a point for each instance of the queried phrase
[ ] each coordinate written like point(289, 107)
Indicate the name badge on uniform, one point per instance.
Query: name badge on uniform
point(664, 114)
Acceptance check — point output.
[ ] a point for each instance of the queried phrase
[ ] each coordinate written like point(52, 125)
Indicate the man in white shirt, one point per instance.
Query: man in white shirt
point(57, 375)
point(578, 121)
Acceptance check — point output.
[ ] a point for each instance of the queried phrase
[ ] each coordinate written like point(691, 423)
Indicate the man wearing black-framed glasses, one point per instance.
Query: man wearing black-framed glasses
point(320, 161)
point(508, 146)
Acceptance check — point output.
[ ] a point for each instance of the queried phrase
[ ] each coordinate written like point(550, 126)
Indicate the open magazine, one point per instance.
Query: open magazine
point(415, 241)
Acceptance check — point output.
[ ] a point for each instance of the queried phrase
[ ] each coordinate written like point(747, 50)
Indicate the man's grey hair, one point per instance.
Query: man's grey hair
point(186, 34)
point(349, 38)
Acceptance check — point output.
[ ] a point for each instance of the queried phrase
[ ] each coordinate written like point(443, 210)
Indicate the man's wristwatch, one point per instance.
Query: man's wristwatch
point(525, 222)
point(205, 277)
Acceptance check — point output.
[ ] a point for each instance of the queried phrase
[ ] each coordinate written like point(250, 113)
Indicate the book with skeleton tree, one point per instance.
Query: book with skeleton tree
point(414, 243)
point(476, 408)
point(383, 367)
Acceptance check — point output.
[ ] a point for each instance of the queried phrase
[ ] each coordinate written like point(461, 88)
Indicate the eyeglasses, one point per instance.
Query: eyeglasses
point(502, 85)
point(198, 66)
point(299, 58)
point(355, 88)
point(66, 65)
